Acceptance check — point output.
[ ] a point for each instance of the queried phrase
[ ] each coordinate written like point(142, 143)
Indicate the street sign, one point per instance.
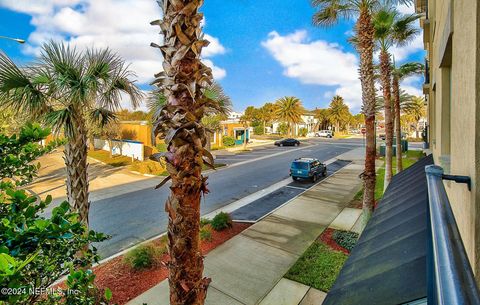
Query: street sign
point(364, 131)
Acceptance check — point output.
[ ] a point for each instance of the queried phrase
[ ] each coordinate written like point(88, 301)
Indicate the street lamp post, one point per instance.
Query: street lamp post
point(14, 39)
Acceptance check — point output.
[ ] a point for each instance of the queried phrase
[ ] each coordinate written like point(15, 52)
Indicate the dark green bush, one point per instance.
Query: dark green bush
point(141, 257)
point(345, 239)
point(228, 141)
point(221, 221)
point(46, 248)
point(206, 233)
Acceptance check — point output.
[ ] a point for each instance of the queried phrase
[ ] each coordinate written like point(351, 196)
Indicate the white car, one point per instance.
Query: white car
point(324, 133)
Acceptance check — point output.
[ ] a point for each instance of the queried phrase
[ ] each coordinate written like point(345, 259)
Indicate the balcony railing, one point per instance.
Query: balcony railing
point(449, 274)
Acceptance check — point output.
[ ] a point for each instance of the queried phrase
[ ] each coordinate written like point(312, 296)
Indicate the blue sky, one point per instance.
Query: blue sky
point(259, 52)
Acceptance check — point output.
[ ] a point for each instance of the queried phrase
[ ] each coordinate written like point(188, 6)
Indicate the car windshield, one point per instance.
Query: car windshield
point(300, 165)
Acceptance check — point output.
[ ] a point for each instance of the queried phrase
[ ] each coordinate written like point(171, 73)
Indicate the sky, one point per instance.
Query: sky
point(259, 50)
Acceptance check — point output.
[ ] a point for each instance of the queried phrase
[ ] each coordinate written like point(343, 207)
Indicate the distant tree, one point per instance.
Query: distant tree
point(289, 109)
point(417, 111)
point(338, 112)
point(323, 117)
point(267, 114)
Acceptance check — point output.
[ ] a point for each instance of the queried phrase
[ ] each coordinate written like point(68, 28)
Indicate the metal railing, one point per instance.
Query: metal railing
point(450, 279)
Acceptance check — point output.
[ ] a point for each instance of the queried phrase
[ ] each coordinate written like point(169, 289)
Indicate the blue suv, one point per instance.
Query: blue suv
point(307, 168)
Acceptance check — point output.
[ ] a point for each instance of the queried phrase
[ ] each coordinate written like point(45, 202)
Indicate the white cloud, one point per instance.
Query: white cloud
point(317, 62)
point(402, 53)
point(122, 25)
point(406, 9)
point(412, 85)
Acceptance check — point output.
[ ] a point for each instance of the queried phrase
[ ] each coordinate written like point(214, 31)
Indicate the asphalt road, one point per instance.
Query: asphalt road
point(136, 216)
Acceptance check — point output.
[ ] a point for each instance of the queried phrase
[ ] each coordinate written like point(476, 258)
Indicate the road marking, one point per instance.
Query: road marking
point(269, 156)
point(297, 187)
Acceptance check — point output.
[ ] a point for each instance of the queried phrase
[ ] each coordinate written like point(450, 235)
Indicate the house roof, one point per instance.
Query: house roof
point(388, 264)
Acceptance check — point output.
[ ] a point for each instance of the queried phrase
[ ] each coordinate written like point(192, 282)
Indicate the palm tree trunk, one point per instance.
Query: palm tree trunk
point(110, 147)
point(387, 97)
point(75, 156)
point(365, 32)
point(179, 122)
point(264, 127)
point(209, 142)
point(398, 126)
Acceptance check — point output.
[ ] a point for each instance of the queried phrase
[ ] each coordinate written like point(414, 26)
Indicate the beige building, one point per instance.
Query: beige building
point(452, 91)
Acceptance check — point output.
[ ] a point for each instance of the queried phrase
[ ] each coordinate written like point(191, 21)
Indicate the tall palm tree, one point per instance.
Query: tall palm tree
point(338, 112)
point(399, 74)
point(391, 28)
point(267, 114)
point(289, 109)
point(179, 122)
point(323, 118)
point(65, 88)
point(417, 110)
point(329, 12)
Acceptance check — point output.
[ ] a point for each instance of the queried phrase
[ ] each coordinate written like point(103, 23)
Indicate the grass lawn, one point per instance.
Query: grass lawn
point(318, 266)
point(408, 160)
point(104, 156)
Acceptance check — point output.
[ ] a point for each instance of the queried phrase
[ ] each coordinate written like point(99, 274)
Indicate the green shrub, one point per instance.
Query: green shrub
point(228, 141)
point(206, 233)
point(36, 251)
point(345, 239)
point(258, 130)
point(221, 221)
point(204, 222)
point(302, 132)
point(143, 256)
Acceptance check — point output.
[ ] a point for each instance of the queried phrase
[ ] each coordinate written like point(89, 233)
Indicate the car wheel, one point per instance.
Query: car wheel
point(314, 178)
point(294, 178)
point(281, 144)
point(324, 173)
point(298, 144)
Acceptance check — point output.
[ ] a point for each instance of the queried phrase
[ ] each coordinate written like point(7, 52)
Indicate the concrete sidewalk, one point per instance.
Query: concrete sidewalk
point(245, 269)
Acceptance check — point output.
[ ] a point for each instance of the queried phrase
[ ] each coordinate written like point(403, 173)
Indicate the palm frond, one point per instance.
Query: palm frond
point(62, 119)
point(329, 12)
point(17, 89)
point(102, 117)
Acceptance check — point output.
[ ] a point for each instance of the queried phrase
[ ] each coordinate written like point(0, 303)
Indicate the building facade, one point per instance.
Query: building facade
point(452, 92)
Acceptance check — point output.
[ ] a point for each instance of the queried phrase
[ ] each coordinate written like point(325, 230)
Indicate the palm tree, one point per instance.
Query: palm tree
point(179, 122)
point(289, 109)
point(391, 28)
point(156, 101)
point(329, 12)
point(323, 118)
point(338, 112)
point(416, 109)
point(65, 88)
point(400, 73)
point(267, 114)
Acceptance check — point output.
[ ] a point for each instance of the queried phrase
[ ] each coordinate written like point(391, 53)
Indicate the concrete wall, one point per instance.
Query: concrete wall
point(124, 148)
point(453, 44)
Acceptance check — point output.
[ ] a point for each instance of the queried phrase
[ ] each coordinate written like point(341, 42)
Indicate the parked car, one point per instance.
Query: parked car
point(287, 142)
point(324, 133)
point(307, 168)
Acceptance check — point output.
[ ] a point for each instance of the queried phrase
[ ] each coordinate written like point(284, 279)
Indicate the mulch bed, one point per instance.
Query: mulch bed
point(327, 238)
point(127, 283)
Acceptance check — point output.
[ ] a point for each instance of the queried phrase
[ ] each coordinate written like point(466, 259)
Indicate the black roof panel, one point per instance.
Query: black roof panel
point(388, 264)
